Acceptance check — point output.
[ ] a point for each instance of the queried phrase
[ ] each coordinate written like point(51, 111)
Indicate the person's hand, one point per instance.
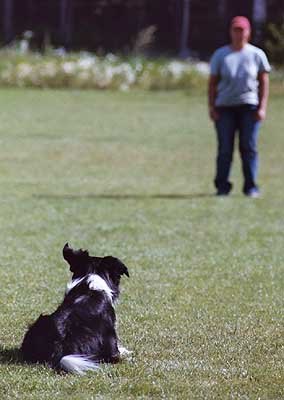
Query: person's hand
point(214, 115)
point(260, 114)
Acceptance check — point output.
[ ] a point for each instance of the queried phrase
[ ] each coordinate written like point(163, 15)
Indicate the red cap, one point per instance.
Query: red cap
point(240, 22)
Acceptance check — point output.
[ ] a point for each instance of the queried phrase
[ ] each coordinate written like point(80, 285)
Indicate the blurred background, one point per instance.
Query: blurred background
point(106, 143)
point(169, 27)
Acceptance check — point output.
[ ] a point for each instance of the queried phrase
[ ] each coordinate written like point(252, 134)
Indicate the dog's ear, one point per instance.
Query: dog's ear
point(75, 258)
point(116, 265)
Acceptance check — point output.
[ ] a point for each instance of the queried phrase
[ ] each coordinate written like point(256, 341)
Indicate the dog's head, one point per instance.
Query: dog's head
point(79, 261)
point(108, 268)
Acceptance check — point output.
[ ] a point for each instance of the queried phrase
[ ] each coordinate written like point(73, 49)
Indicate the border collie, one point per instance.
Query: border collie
point(81, 333)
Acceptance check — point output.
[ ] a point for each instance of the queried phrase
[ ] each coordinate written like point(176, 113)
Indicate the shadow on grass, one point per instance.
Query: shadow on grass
point(10, 356)
point(174, 196)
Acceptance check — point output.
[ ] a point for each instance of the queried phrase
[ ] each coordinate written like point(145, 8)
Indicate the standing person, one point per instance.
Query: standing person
point(238, 94)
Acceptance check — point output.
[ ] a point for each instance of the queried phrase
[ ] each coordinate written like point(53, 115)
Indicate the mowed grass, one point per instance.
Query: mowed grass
point(130, 175)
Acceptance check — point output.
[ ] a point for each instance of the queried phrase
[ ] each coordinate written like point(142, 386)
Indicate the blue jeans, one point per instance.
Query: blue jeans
point(232, 119)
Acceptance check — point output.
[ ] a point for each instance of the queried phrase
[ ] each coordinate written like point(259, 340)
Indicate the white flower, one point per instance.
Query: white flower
point(68, 67)
point(129, 73)
point(28, 35)
point(111, 57)
point(48, 70)
point(125, 71)
point(177, 68)
point(24, 70)
point(61, 52)
point(138, 66)
point(24, 46)
point(86, 62)
point(203, 68)
point(109, 72)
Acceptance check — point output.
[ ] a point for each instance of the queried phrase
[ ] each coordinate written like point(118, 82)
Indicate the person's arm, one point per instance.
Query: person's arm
point(212, 94)
point(263, 79)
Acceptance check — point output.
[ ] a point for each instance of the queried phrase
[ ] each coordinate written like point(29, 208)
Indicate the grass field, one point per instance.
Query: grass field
point(130, 174)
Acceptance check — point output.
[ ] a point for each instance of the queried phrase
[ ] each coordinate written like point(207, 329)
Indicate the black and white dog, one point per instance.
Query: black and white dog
point(81, 333)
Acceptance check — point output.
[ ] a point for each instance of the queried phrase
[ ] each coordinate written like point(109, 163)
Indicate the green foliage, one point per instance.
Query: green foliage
point(130, 174)
point(88, 71)
point(274, 42)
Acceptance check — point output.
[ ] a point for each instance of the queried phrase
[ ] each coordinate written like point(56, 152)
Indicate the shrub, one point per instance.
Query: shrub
point(88, 71)
point(274, 43)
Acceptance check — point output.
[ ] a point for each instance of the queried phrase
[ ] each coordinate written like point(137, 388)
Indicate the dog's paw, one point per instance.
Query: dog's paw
point(124, 352)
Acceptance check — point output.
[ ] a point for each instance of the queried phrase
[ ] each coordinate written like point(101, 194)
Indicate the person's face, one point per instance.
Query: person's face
point(240, 35)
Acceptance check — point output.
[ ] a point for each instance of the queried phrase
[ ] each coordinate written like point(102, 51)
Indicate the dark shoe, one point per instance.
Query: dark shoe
point(223, 189)
point(222, 193)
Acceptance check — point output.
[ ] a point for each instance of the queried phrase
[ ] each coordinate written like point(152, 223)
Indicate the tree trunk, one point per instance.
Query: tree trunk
point(184, 50)
point(259, 17)
point(31, 13)
point(222, 8)
point(66, 8)
point(8, 31)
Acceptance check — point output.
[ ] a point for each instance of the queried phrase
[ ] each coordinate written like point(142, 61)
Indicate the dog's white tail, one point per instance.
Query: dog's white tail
point(78, 364)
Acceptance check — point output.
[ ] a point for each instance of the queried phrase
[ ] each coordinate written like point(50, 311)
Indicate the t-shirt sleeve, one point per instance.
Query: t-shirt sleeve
point(264, 65)
point(215, 64)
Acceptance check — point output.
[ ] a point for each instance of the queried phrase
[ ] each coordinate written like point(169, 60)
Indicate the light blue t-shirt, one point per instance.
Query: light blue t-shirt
point(238, 74)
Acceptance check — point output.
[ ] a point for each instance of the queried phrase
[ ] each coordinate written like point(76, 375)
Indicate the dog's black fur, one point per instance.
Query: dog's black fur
point(81, 332)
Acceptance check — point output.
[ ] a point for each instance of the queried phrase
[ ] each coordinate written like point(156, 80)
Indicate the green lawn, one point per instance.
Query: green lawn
point(130, 174)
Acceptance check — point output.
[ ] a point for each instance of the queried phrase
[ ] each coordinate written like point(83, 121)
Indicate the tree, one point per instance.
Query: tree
point(259, 18)
point(8, 6)
point(184, 50)
point(66, 14)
